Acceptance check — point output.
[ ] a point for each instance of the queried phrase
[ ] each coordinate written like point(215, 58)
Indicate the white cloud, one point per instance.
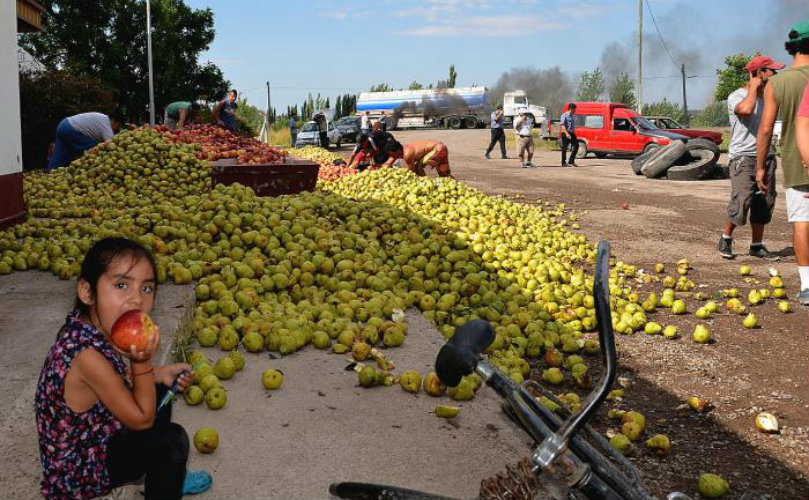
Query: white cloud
point(486, 26)
point(586, 10)
point(334, 14)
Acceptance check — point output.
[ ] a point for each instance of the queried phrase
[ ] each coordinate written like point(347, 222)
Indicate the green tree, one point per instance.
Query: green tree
point(382, 87)
point(252, 117)
point(664, 108)
point(414, 85)
point(714, 115)
point(733, 76)
point(623, 90)
point(106, 41)
point(453, 76)
point(591, 86)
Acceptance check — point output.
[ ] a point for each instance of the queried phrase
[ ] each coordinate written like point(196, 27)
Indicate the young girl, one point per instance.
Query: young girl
point(95, 417)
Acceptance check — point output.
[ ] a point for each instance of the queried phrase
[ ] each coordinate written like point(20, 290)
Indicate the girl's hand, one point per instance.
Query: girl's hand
point(166, 374)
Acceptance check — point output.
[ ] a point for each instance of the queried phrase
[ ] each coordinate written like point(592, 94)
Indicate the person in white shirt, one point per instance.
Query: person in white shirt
point(525, 138)
point(78, 133)
point(365, 123)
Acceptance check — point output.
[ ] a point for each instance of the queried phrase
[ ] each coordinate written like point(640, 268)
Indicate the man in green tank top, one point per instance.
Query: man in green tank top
point(179, 114)
point(783, 95)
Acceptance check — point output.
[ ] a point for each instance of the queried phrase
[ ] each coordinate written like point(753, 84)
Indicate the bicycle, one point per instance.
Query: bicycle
point(563, 465)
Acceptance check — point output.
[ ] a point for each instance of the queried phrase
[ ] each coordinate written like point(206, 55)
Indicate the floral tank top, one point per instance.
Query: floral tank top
point(73, 446)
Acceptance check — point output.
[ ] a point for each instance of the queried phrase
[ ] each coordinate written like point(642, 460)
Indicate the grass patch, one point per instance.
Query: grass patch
point(281, 138)
point(184, 336)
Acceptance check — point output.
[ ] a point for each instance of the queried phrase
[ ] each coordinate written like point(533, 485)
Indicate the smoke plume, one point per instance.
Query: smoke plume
point(549, 87)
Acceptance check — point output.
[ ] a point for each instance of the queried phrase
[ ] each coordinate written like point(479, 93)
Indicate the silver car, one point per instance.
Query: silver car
point(310, 133)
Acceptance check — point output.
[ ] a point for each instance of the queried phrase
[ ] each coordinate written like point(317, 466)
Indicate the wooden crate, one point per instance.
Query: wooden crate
point(272, 179)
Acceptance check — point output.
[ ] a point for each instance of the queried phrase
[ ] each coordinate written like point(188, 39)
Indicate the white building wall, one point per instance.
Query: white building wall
point(10, 134)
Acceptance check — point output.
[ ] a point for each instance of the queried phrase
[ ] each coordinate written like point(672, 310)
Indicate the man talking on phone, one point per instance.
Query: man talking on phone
point(745, 107)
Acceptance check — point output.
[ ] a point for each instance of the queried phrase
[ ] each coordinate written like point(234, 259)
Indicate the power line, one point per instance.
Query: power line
point(660, 35)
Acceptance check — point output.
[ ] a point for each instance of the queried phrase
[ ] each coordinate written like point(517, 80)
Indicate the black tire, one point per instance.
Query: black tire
point(639, 161)
point(702, 143)
point(454, 122)
point(720, 172)
point(652, 146)
point(470, 122)
point(662, 159)
point(582, 152)
point(698, 169)
point(600, 156)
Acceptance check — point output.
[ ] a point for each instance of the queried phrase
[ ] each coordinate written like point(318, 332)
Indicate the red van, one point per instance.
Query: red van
point(609, 128)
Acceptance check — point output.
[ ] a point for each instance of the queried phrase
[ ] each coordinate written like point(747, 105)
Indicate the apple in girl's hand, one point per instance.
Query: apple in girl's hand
point(133, 328)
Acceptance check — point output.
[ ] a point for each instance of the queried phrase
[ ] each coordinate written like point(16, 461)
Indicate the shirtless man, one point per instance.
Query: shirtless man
point(419, 154)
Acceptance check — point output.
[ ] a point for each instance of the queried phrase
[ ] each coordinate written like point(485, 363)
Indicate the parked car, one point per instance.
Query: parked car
point(349, 127)
point(666, 123)
point(610, 128)
point(310, 133)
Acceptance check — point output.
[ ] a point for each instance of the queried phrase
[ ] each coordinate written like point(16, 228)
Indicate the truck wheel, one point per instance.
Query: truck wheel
point(700, 168)
point(470, 122)
point(703, 143)
point(454, 122)
point(662, 159)
point(338, 143)
point(582, 152)
point(600, 156)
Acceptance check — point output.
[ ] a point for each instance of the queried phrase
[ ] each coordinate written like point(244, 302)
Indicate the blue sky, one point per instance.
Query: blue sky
point(336, 47)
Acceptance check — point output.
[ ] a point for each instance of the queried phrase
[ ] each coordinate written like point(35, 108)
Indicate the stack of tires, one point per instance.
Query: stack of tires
point(681, 161)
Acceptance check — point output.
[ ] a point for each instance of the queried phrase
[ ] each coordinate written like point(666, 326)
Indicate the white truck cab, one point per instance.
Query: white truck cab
point(514, 101)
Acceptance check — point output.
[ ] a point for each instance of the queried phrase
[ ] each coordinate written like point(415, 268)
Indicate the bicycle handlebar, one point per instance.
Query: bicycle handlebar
point(554, 445)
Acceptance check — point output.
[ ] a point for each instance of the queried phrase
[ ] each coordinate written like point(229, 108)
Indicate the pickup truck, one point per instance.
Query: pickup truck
point(606, 128)
point(666, 123)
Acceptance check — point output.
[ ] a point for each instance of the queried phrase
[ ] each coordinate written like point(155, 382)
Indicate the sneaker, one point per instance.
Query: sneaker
point(487, 156)
point(506, 158)
point(523, 165)
point(571, 164)
point(725, 247)
point(530, 164)
point(196, 481)
point(761, 252)
point(803, 297)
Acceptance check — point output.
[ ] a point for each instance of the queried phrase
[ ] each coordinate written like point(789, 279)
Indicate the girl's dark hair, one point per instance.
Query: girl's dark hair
point(98, 259)
point(795, 46)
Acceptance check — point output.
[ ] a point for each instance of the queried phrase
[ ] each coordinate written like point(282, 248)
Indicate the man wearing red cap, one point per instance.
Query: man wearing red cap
point(745, 106)
point(784, 94)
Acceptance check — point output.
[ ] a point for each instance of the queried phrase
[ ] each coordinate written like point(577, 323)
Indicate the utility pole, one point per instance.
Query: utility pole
point(267, 117)
point(685, 100)
point(149, 57)
point(640, 56)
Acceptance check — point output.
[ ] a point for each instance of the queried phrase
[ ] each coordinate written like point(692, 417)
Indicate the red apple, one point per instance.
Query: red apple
point(133, 328)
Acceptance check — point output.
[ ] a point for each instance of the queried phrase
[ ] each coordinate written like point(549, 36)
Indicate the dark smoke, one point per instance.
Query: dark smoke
point(692, 39)
point(549, 87)
point(441, 102)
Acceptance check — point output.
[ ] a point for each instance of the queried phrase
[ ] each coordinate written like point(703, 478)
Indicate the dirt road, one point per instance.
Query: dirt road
point(319, 427)
point(742, 373)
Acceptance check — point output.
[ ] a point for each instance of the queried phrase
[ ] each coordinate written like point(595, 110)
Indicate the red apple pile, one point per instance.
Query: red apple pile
point(218, 143)
point(330, 173)
point(133, 328)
